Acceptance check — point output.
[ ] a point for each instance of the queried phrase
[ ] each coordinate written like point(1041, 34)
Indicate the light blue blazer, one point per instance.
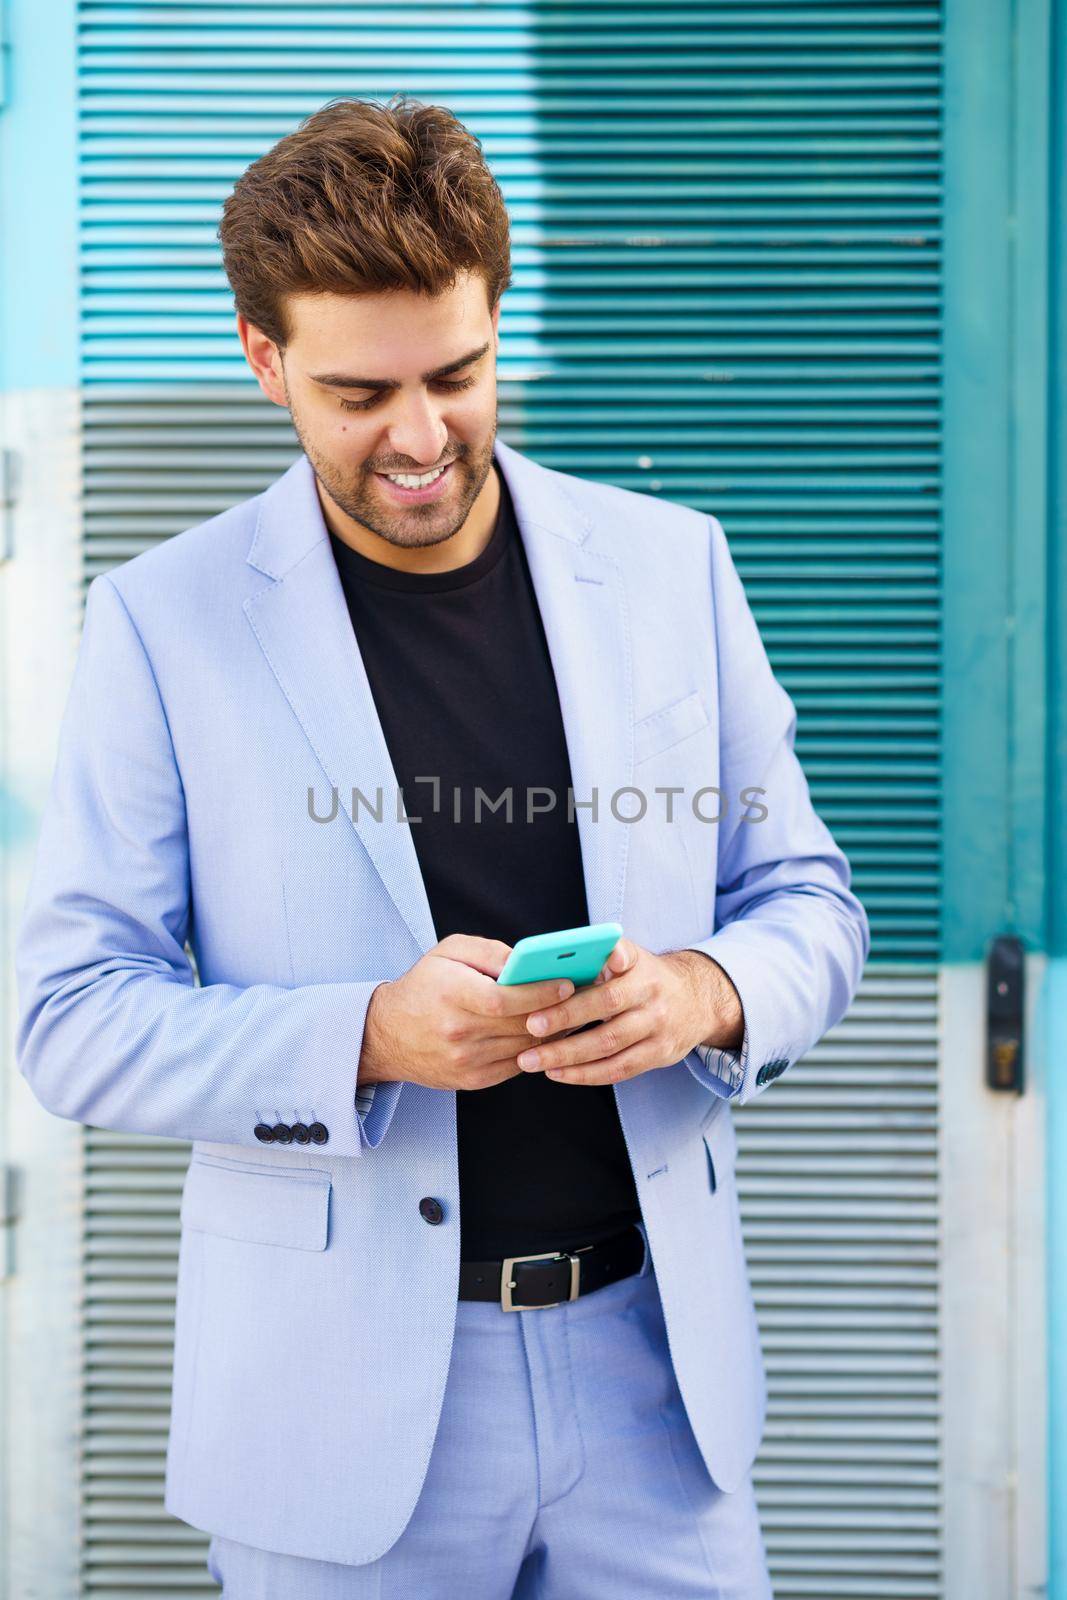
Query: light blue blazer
point(218, 680)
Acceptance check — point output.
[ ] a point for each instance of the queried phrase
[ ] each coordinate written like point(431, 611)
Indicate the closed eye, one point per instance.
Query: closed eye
point(364, 405)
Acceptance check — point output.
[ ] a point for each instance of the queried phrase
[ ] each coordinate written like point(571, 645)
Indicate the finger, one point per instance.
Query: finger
point(482, 995)
point(484, 955)
point(590, 1005)
point(502, 1066)
point(613, 1069)
point(592, 1044)
point(489, 1049)
point(482, 1052)
point(520, 1038)
point(501, 1063)
point(621, 958)
point(564, 1033)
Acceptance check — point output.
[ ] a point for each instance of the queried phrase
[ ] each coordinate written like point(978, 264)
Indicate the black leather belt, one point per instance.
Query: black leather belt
point(522, 1283)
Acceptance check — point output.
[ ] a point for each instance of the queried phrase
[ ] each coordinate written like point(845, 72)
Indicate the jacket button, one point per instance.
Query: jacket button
point(319, 1133)
point(282, 1133)
point(300, 1132)
point(263, 1133)
point(431, 1209)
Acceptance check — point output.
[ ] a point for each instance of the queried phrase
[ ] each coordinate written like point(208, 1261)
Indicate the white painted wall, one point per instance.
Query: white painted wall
point(40, 1339)
point(993, 1344)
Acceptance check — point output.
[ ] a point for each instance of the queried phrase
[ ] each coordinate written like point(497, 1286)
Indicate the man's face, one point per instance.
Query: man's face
point(354, 433)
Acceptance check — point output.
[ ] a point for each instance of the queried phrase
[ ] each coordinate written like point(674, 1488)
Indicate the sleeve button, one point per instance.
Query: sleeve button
point(263, 1133)
point(319, 1133)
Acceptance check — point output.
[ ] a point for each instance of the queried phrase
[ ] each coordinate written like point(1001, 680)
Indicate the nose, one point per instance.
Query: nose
point(419, 437)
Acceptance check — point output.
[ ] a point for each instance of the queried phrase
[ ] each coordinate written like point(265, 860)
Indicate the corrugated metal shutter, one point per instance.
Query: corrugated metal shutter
point(727, 275)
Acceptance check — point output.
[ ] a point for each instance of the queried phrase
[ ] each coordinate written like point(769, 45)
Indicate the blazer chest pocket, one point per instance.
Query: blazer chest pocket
point(257, 1204)
point(669, 726)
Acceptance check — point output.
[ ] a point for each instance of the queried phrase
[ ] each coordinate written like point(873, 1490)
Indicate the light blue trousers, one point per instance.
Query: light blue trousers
point(564, 1468)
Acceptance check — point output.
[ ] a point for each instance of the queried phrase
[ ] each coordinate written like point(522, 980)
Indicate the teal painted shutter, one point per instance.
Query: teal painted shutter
point(726, 229)
point(4, 48)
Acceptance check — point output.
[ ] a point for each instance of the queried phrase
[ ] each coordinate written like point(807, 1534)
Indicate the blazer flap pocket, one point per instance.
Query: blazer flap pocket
point(669, 725)
point(259, 1205)
point(720, 1143)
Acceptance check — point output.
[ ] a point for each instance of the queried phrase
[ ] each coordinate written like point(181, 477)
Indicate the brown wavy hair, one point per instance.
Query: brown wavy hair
point(363, 198)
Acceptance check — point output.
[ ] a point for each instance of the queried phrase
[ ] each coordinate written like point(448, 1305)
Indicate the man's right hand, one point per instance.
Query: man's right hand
point(446, 1023)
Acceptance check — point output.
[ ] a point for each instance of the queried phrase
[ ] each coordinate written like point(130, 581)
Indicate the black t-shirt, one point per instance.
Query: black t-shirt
point(462, 680)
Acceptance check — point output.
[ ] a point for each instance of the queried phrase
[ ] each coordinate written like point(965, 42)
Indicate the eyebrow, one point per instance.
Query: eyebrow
point(345, 380)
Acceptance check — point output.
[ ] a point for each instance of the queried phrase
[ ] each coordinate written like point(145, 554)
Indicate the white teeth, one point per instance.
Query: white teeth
point(407, 480)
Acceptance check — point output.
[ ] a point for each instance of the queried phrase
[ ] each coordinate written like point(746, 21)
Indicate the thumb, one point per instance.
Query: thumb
point(621, 958)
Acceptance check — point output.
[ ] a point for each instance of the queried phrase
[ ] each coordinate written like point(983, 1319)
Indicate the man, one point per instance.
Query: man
point(456, 1315)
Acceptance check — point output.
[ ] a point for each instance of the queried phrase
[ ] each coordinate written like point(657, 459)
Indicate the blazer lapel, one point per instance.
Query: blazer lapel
point(302, 624)
point(581, 595)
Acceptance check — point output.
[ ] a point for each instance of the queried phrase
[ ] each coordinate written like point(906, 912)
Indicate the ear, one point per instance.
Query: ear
point(262, 356)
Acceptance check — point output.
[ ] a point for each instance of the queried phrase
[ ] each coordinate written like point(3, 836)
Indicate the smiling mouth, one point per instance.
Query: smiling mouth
point(417, 479)
point(415, 487)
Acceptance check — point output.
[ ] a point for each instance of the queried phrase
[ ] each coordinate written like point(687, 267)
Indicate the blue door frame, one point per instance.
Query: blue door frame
point(1005, 554)
point(1057, 792)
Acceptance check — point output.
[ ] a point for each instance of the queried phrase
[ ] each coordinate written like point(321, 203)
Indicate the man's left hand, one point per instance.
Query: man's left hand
point(652, 1009)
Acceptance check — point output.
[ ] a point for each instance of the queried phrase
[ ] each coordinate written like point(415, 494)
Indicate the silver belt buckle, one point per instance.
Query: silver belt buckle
point(507, 1282)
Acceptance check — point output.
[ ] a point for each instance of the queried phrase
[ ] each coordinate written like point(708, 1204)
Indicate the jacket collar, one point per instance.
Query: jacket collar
point(301, 621)
point(290, 520)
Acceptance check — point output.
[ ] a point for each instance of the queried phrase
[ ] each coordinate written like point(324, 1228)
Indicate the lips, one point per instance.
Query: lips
point(416, 496)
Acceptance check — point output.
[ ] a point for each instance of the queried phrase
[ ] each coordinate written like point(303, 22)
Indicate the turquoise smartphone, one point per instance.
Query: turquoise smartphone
point(575, 953)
